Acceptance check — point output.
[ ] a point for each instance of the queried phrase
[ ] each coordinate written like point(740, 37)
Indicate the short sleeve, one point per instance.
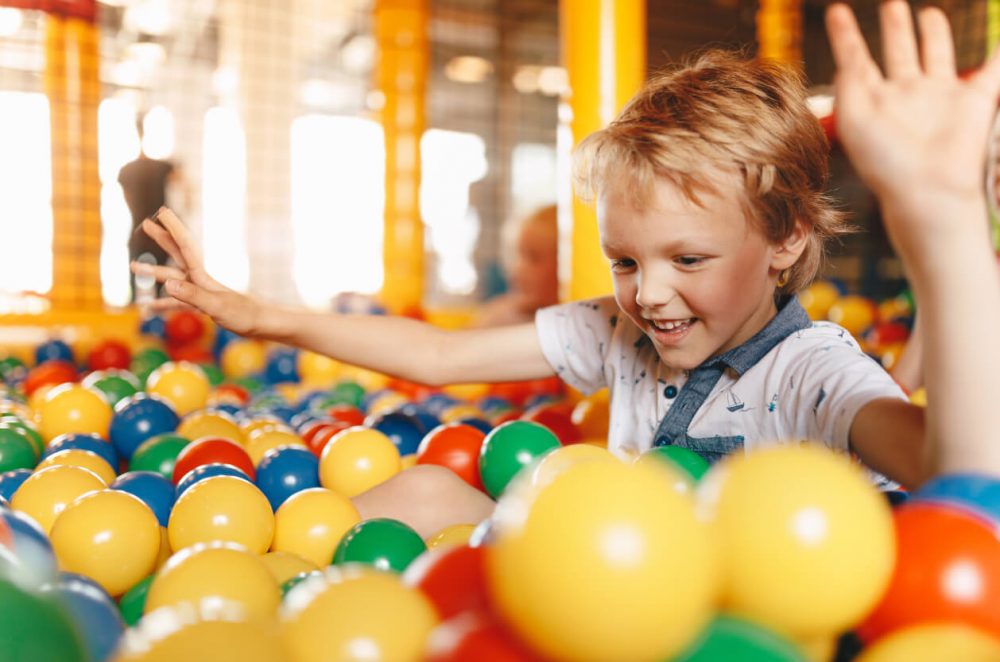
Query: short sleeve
point(575, 338)
point(835, 380)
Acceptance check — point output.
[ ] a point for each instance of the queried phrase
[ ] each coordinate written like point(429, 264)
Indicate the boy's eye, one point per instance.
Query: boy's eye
point(689, 260)
point(621, 263)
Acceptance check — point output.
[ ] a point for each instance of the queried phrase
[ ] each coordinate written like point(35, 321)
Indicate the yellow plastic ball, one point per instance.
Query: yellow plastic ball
point(318, 370)
point(458, 412)
point(592, 415)
point(369, 380)
point(854, 313)
point(606, 562)
point(818, 298)
point(216, 572)
point(242, 358)
point(357, 459)
point(327, 618)
point(182, 384)
point(565, 457)
point(311, 524)
point(252, 425)
point(807, 543)
point(180, 633)
point(165, 550)
point(76, 457)
point(285, 565)
point(222, 508)
point(934, 643)
point(210, 424)
point(45, 494)
point(408, 461)
point(387, 402)
point(467, 392)
point(919, 397)
point(110, 536)
point(261, 441)
point(73, 409)
point(456, 534)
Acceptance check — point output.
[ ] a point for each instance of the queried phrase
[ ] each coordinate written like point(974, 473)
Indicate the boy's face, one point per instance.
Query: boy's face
point(535, 274)
point(697, 280)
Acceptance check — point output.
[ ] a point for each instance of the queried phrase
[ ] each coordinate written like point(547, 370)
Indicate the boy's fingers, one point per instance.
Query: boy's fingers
point(899, 43)
point(988, 76)
point(164, 240)
point(168, 304)
point(850, 52)
point(181, 235)
point(937, 48)
point(159, 272)
point(191, 294)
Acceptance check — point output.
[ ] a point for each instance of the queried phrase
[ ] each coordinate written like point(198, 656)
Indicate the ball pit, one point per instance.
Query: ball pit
point(545, 578)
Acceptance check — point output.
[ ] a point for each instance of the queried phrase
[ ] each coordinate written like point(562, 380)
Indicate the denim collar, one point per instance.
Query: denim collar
point(791, 317)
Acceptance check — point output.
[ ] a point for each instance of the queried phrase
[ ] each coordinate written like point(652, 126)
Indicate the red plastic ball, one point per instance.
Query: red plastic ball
point(232, 391)
point(556, 418)
point(455, 446)
point(212, 449)
point(108, 355)
point(49, 373)
point(347, 414)
point(947, 569)
point(453, 579)
point(475, 636)
point(184, 327)
point(191, 352)
point(322, 435)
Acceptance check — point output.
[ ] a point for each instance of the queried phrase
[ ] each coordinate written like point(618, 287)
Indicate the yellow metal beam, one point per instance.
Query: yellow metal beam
point(604, 52)
point(73, 87)
point(401, 76)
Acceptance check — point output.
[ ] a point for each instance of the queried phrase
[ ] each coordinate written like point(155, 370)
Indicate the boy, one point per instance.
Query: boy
point(703, 256)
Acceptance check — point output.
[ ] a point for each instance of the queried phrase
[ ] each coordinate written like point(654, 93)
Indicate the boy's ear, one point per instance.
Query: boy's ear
point(787, 252)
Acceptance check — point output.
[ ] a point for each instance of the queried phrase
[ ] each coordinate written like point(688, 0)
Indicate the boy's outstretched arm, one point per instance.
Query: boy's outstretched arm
point(918, 136)
point(394, 345)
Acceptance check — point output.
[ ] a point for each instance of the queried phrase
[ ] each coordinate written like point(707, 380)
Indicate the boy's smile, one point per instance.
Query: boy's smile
point(698, 280)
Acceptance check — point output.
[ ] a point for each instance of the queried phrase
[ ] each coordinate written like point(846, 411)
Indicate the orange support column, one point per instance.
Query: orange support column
point(779, 31)
point(401, 75)
point(604, 52)
point(73, 88)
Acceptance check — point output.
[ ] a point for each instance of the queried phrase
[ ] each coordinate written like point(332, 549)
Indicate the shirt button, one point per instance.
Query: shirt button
point(670, 392)
point(662, 441)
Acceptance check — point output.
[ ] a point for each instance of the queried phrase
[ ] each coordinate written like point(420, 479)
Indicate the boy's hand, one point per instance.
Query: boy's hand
point(188, 283)
point(906, 131)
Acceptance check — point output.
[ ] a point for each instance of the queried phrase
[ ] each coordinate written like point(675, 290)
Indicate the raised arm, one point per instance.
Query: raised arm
point(394, 345)
point(918, 136)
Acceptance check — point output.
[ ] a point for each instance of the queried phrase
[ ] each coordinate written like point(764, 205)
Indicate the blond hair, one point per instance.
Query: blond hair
point(723, 113)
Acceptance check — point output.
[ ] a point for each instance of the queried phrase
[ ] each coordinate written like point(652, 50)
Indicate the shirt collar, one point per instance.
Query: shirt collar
point(791, 317)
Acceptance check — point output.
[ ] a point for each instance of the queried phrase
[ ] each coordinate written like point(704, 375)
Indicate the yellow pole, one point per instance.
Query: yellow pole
point(73, 88)
point(779, 31)
point(401, 75)
point(604, 52)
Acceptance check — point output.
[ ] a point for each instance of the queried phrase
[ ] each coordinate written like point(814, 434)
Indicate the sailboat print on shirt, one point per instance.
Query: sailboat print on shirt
point(735, 404)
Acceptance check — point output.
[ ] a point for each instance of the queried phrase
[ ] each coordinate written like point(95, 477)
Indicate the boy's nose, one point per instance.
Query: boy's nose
point(653, 292)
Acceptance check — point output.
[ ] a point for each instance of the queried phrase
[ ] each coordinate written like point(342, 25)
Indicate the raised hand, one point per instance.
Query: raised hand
point(918, 133)
point(188, 283)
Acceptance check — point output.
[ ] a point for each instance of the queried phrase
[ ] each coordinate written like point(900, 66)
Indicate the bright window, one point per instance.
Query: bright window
point(224, 206)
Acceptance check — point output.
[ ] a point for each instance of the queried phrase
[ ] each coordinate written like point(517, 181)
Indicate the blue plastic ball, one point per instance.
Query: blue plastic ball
point(285, 471)
point(154, 326)
point(11, 480)
point(422, 414)
point(87, 442)
point(138, 418)
point(479, 423)
point(977, 493)
point(92, 611)
point(282, 366)
point(53, 350)
point(204, 471)
point(153, 489)
point(404, 430)
point(437, 403)
point(33, 561)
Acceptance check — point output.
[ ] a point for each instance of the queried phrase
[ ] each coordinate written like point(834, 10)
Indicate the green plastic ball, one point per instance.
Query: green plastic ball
point(384, 543)
point(510, 447)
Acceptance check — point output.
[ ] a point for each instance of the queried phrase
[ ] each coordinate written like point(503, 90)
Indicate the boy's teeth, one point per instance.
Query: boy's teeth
point(669, 326)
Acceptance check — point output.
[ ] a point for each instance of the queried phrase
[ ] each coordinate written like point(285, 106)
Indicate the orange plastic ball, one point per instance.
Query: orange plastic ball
point(110, 536)
point(222, 508)
point(74, 409)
